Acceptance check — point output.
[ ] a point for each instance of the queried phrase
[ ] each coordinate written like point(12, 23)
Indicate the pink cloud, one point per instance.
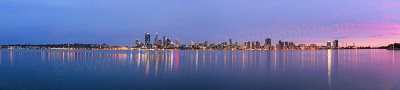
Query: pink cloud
point(388, 25)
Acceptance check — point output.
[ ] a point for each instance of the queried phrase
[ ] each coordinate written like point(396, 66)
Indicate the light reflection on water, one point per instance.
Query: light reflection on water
point(181, 69)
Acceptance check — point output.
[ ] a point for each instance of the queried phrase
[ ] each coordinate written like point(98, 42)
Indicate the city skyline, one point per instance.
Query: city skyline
point(166, 43)
point(267, 41)
point(121, 22)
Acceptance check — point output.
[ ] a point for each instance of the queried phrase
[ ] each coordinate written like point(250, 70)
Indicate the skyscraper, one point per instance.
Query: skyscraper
point(147, 40)
point(159, 43)
point(205, 44)
point(156, 39)
point(253, 45)
point(329, 44)
point(164, 41)
point(168, 42)
point(258, 44)
point(138, 43)
point(281, 44)
point(268, 41)
point(267, 44)
point(336, 43)
point(177, 42)
point(230, 42)
point(247, 44)
point(236, 45)
point(286, 43)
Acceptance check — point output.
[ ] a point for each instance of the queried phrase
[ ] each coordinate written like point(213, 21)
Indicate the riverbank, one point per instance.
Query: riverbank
point(193, 49)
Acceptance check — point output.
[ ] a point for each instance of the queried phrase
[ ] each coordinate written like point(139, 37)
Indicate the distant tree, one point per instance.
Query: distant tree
point(394, 46)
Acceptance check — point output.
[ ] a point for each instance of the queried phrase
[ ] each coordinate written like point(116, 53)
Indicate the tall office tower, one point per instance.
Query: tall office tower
point(147, 40)
point(177, 42)
point(329, 44)
point(205, 44)
point(164, 41)
point(156, 39)
point(258, 44)
point(168, 42)
point(253, 44)
point(336, 43)
point(230, 42)
point(281, 44)
point(248, 44)
point(236, 45)
point(137, 43)
point(286, 43)
point(245, 44)
point(268, 41)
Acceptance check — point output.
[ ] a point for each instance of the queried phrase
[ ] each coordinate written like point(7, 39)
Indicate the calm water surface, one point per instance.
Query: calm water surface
point(366, 69)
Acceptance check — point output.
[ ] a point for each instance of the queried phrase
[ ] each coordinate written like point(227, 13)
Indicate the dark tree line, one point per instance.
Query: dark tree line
point(394, 46)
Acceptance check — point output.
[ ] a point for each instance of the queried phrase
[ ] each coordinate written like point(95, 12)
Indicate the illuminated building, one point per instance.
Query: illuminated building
point(336, 43)
point(164, 44)
point(329, 44)
point(230, 42)
point(224, 44)
point(147, 40)
point(291, 45)
point(268, 42)
point(205, 44)
point(281, 44)
point(253, 45)
point(156, 39)
point(286, 45)
point(236, 45)
point(258, 44)
point(177, 42)
point(159, 43)
point(138, 43)
point(168, 42)
point(313, 45)
point(191, 43)
point(278, 46)
point(266, 46)
point(302, 46)
point(247, 44)
point(212, 45)
point(241, 46)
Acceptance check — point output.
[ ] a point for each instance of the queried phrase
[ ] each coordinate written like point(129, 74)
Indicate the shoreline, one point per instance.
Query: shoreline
point(199, 49)
point(393, 49)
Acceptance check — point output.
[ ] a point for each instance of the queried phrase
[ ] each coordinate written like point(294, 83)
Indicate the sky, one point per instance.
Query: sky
point(121, 22)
